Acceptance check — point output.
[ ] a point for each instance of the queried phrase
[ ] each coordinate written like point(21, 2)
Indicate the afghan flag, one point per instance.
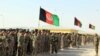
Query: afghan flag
point(77, 22)
point(91, 26)
point(48, 17)
point(55, 20)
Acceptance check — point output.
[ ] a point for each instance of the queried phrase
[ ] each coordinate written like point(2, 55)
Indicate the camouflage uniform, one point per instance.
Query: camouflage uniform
point(62, 41)
point(96, 41)
point(47, 42)
point(34, 39)
point(38, 43)
point(5, 44)
point(27, 46)
point(1, 45)
point(10, 40)
point(54, 43)
point(15, 44)
point(77, 40)
point(20, 51)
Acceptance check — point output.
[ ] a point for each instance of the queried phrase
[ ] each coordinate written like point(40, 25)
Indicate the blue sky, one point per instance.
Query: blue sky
point(25, 13)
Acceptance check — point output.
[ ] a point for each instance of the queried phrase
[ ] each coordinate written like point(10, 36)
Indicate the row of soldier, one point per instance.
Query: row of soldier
point(21, 42)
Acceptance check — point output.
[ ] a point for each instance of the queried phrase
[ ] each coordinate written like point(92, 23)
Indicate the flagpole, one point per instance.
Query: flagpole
point(39, 24)
point(39, 19)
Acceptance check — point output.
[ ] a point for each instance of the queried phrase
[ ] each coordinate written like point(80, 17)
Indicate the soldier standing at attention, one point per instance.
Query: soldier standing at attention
point(26, 43)
point(96, 41)
point(15, 43)
point(10, 40)
point(54, 43)
point(47, 42)
point(5, 43)
point(1, 44)
point(34, 39)
point(21, 40)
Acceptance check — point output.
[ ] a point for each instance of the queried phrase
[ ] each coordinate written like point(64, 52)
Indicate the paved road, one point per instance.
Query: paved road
point(82, 51)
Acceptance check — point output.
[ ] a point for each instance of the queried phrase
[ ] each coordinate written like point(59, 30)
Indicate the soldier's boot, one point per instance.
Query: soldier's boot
point(56, 50)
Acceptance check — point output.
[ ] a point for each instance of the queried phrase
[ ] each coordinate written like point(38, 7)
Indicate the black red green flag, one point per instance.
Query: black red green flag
point(77, 22)
point(91, 26)
point(48, 17)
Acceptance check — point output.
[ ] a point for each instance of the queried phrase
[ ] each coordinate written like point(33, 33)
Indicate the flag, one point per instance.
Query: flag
point(42, 15)
point(48, 17)
point(91, 26)
point(77, 22)
point(55, 20)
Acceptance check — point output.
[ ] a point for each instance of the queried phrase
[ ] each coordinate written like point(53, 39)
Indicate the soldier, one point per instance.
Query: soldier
point(27, 46)
point(10, 40)
point(15, 43)
point(62, 41)
point(37, 42)
point(44, 40)
point(54, 43)
point(96, 40)
point(68, 39)
point(21, 43)
point(1, 44)
point(47, 42)
point(77, 40)
point(5, 42)
point(59, 40)
point(72, 40)
point(34, 44)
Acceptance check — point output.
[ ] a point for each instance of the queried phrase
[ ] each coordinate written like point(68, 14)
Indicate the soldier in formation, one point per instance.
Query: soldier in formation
point(2, 49)
point(96, 42)
point(54, 43)
point(22, 42)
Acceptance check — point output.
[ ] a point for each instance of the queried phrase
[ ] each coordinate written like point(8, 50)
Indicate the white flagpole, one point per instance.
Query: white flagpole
point(39, 24)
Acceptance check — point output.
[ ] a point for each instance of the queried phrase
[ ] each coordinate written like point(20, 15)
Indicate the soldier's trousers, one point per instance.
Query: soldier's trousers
point(15, 50)
point(54, 49)
point(34, 51)
point(1, 51)
point(20, 51)
point(96, 49)
point(9, 52)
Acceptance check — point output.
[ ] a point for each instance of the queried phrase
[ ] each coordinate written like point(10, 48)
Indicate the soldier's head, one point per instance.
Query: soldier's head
point(72, 33)
point(1, 33)
point(26, 33)
point(32, 31)
point(52, 34)
point(96, 35)
point(21, 32)
point(43, 31)
point(36, 30)
point(5, 33)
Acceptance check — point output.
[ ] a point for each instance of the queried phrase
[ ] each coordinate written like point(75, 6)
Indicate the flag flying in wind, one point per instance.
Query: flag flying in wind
point(55, 20)
point(91, 26)
point(77, 22)
point(48, 17)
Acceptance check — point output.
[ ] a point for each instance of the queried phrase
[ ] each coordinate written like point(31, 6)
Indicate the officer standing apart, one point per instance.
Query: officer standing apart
point(96, 41)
